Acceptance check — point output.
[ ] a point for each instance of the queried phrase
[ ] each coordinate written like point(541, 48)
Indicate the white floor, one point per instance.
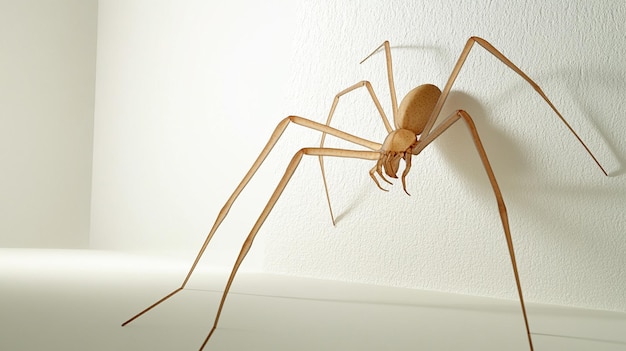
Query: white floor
point(76, 300)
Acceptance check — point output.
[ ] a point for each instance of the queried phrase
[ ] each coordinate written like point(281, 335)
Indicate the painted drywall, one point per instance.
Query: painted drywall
point(188, 93)
point(173, 116)
point(47, 80)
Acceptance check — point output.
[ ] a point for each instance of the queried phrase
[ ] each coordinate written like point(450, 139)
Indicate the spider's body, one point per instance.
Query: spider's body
point(413, 120)
point(412, 116)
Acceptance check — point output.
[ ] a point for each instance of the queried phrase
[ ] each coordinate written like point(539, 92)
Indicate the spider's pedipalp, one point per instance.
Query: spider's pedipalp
point(373, 172)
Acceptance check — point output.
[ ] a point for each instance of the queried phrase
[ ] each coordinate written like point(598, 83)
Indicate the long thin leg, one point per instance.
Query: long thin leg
point(266, 150)
point(496, 189)
point(392, 87)
point(358, 85)
point(491, 49)
point(370, 90)
point(293, 165)
point(368, 85)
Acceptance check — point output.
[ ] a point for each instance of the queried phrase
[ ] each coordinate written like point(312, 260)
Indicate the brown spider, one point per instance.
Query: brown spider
point(413, 120)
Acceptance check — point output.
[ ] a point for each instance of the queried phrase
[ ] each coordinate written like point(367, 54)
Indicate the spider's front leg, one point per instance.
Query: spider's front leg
point(282, 126)
point(293, 165)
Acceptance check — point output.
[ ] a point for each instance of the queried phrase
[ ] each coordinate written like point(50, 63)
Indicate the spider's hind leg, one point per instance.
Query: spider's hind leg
point(442, 127)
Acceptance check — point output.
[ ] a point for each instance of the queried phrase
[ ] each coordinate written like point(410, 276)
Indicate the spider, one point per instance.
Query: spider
point(413, 119)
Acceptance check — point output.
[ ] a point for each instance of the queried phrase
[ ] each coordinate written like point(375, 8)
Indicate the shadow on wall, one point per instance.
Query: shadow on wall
point(610, 83)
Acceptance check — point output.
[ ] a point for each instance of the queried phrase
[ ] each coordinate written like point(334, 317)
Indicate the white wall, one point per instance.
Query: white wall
point(188, 93)
point(47, 78)
point(183, 88)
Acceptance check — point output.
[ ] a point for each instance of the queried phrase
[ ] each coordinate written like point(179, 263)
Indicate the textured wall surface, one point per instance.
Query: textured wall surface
point(188, 93)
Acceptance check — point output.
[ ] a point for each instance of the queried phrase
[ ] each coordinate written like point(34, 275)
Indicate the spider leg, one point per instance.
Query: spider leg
point(388, 127)
point(445, 124)
point(373, 176)
point(291, 168)
point(394, 109)
point(264, 153)
point(491, 49)
point(392, 87)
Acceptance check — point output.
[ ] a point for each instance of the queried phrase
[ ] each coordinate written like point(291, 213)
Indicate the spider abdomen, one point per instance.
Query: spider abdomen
point(416, 107)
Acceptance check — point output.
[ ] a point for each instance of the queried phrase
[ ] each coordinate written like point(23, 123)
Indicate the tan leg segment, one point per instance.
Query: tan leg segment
point(496, 189)
point(388, 127)
point(394, 109)
point(293, 165)
point(266, 150)
point(491, 49)
point(392, 86)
